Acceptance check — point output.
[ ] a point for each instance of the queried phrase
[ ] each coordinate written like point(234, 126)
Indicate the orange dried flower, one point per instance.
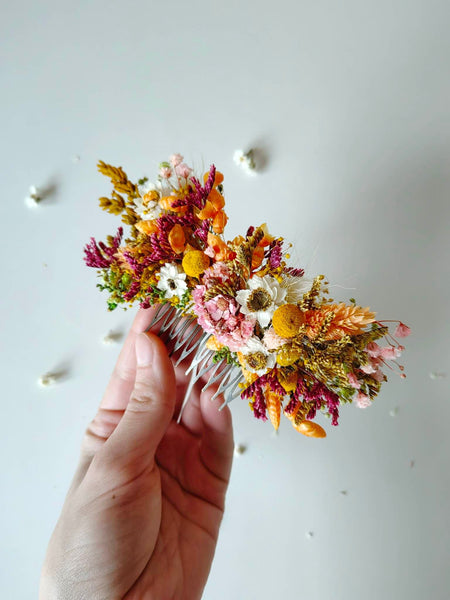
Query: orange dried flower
point(213, 209)
point(347, 320)
point(219, 222)
point(166, 202)
point(267, 239)
point(257, 257)
point(217, 179)
point(216, 199)
point(147, 227)
point(218, 248)
point(273, 407)
point(177, 239)
point(310, 429)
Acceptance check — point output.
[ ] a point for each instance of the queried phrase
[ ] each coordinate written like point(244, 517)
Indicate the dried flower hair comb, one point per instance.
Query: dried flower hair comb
point(244, 318)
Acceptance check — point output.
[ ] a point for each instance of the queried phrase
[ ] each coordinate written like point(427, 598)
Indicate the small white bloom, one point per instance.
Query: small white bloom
point(146, 187)
point(261, 298)
point(48, 379)
point(239, 449)
point(172, 280)
point(245, 160)
point(257, 358)
point(34, 197)
point(147, 208)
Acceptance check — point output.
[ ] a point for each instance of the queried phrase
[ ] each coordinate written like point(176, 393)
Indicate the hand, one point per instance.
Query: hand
point(142, 516)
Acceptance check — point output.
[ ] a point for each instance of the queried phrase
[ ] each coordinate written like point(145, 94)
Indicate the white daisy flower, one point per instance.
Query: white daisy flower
point(147, 187)
point(256, 356)
point(261, 298)
point(147, 209)
point(172, 280)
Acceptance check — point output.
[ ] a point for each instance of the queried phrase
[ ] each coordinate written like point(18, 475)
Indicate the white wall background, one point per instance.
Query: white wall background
point(350, 101)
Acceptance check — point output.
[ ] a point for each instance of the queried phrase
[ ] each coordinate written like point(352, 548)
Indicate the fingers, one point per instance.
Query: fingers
point(116, 396)
point(122, 379)
point(149, 410)
point(217, 446)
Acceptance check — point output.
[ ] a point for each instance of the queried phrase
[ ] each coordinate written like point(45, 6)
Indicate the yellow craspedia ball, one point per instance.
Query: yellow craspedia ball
point(287, 320)
point(288, 356)
point(310, 429)
point(195, 262)
point(288, 380)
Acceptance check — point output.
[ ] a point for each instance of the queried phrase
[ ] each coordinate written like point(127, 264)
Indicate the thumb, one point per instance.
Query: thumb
point(151, 405)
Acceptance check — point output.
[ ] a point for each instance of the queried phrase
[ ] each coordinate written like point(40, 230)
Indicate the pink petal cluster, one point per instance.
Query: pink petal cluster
point(165, 172)
point(221, 317)
point(182, 170)
point(362, 400)
point(175, 160)
point(376, 352)
point(353, 380)
point(273, 341)
point(402, 330)
point(377, 355)
point(391, 353)
point(219, 272)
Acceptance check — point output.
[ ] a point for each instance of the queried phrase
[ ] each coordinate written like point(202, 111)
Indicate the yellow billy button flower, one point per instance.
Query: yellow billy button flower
point(287, 320)
point(288, 356)
point(310, 429)
point(195, 262)
point(288, 380)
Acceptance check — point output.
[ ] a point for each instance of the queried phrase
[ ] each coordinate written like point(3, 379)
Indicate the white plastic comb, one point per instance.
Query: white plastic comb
point(183, 335)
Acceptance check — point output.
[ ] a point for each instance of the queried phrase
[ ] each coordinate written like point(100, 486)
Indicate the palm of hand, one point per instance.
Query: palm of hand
point(192, 495)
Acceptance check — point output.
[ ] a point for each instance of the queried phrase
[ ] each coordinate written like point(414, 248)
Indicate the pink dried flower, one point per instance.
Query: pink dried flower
point(402, 331)
point(272, 341)
point(353, 380)
point(165, 172)
point(182, 170)
point(362, 400)
point(373, 350)
point(219, 272)
point(175, 160)
point(379, 375)
point(391, 353)
point(220, 308)
point(220, 316)
point(368, 369)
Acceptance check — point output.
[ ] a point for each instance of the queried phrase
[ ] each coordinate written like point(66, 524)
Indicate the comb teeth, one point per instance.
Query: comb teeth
point(183, 334)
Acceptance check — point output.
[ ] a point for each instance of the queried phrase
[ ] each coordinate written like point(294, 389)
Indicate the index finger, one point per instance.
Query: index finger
point(121, 383)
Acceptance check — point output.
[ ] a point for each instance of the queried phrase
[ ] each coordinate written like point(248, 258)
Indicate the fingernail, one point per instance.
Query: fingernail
point(144, 350)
